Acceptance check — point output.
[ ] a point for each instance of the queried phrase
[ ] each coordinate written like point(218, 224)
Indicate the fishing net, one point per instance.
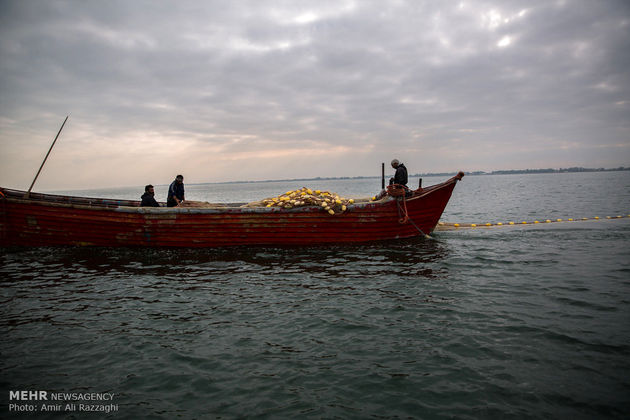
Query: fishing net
point(303, 197)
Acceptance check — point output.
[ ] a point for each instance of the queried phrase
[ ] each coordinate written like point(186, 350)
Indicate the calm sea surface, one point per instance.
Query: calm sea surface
point(504, 322)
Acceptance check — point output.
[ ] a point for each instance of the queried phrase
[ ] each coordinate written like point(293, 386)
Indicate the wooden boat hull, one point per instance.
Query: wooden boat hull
point(45, 220)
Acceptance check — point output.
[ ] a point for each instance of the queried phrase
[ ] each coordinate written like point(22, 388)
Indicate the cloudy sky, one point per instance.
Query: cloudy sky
point(251, 90)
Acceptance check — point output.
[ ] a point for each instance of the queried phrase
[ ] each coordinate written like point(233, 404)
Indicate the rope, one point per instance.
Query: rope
point(420, 230)
point(535, 222)
point(397, 190)
point(406, 218)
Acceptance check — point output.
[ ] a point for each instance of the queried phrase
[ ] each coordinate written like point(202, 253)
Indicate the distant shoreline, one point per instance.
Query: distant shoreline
point(418, 175)
point(430, 174)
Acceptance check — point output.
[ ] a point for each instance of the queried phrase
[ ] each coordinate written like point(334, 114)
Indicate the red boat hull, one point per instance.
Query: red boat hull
point(44, 220)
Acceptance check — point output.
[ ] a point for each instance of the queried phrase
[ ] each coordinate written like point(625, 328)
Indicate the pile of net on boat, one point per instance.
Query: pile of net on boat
point(330, 202)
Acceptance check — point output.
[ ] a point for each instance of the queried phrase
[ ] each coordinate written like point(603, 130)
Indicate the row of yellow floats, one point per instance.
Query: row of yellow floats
point(330, 202)
point(472, 225)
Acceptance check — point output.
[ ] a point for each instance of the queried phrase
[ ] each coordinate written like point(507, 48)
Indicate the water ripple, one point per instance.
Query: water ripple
point(523, 324)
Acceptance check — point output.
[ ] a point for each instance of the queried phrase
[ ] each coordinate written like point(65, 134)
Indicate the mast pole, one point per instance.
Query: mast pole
point(42, 165)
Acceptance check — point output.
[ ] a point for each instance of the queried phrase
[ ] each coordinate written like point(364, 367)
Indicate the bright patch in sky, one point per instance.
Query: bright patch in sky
point(504, 42)
point(305, 18)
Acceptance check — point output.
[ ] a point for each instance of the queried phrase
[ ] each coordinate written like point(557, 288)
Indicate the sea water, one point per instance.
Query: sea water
point(523, 321)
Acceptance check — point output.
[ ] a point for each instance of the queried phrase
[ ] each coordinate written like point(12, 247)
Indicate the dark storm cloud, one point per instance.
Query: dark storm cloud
point(476, 84)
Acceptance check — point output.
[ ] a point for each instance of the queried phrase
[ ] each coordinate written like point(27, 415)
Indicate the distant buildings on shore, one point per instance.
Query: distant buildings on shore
point(540, 171)
point(449, 174)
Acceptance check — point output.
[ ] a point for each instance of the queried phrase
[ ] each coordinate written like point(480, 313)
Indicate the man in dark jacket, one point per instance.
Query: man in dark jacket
point(175, 192)
point(148, 198)
point(401, 174)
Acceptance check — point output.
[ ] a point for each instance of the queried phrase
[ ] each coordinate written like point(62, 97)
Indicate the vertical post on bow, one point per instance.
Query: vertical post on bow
point(42, 165)
point(383, 175)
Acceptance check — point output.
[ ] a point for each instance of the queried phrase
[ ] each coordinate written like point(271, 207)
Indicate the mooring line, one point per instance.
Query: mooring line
point(406, 217)
point(447, 225)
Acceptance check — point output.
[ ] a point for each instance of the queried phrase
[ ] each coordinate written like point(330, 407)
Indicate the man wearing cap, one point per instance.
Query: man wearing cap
point(175, 192)
point(400, 177)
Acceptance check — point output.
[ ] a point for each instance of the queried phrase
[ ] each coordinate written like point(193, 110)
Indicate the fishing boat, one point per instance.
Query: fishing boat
point(36, 219)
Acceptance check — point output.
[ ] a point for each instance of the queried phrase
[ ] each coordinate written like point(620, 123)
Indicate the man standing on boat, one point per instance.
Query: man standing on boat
point(400, 177)
point(148, 198)
point(175, 192)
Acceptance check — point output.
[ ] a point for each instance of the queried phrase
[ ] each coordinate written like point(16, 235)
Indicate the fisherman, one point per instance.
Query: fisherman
point(175, 192)
point(400, 177)
point(148, 198)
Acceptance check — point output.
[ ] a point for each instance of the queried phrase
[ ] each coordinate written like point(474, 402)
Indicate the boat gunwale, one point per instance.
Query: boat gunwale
point(225, 209)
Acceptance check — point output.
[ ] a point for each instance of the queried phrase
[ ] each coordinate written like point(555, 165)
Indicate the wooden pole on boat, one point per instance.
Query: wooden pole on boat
point(383, 175)
point(42, 165)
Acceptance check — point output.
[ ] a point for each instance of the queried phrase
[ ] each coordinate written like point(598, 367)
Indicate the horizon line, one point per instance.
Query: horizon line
point(426, 174)
point(430, 174)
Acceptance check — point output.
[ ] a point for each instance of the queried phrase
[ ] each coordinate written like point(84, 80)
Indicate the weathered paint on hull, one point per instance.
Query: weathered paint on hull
point(26, 222)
